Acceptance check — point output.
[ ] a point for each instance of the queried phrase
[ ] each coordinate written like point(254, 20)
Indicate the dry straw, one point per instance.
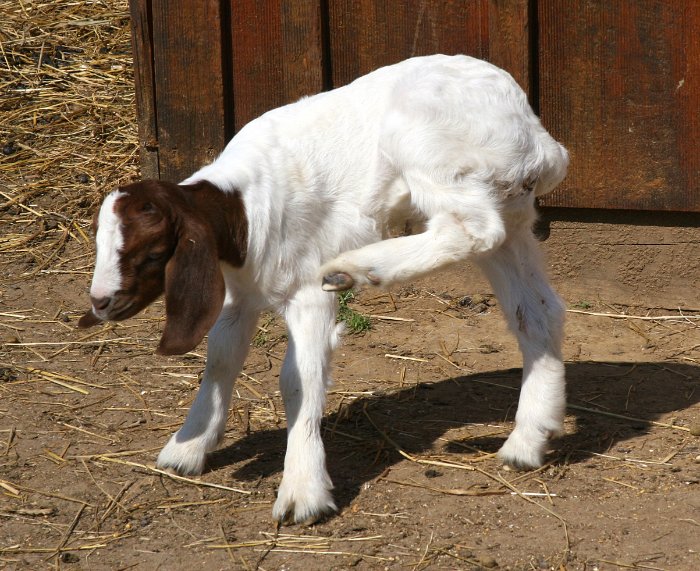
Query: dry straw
point(67, 125)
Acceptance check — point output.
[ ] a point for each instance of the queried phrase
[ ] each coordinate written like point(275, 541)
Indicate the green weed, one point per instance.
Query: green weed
point(354, 321)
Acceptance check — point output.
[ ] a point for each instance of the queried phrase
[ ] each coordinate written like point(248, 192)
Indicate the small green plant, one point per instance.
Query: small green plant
point(262, 335)
point(354, 321)
point(583, 305)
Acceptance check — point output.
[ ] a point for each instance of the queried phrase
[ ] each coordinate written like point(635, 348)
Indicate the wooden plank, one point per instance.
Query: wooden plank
point(277, 54)
point(257, 58)
point(302, 49)
point(367, 34)
point(685, 54)
point(511, 41)
point(145, 90)
point(189, 79)
point(619, 86)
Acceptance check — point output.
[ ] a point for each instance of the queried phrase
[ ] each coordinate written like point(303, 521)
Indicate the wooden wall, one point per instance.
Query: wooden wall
point(617, 82)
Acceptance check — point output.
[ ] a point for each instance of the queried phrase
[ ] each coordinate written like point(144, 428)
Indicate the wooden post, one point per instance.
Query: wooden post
point(142, 46)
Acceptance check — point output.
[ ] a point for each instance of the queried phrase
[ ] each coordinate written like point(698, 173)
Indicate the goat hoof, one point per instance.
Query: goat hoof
point(339, 281)
point(289, 519)
point(521, 454)
point(184, 458)
point(169, 470)
point(303, 502)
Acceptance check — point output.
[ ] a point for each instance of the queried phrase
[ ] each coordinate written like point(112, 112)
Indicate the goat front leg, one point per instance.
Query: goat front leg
point(449, 238)
point(536, 315)
point(305, 492)
point(203, 430)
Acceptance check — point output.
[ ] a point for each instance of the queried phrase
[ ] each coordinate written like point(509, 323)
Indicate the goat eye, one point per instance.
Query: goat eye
point(154, 256)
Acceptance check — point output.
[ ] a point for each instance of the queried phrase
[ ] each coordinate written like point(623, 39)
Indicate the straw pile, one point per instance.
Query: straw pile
point(67, 121)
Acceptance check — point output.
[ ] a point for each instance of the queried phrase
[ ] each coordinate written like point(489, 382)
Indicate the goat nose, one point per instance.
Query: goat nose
point(100, 303)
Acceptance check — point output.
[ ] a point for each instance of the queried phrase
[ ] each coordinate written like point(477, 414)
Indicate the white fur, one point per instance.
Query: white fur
point(228, 345)
point(447, 142)
point(108, 241)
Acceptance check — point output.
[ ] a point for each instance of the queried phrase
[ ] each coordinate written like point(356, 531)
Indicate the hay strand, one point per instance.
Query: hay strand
point(174, 476)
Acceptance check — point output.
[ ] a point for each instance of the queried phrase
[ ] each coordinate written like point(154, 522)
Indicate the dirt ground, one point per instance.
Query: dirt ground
point(82, 417)
point(421, 401)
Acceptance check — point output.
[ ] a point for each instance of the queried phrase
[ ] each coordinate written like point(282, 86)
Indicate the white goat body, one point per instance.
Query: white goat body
point(448, 145)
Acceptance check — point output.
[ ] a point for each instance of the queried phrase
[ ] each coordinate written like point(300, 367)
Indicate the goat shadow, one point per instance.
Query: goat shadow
point(416, 416)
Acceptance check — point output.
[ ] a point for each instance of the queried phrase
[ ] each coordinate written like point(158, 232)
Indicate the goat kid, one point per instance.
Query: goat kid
point(316, 197)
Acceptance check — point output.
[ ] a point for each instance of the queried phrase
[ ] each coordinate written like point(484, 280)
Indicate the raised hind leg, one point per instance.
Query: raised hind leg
point(451, 236)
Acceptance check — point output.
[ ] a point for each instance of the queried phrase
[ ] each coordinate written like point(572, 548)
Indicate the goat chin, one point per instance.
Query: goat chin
point(301, 203)
point(89, 319)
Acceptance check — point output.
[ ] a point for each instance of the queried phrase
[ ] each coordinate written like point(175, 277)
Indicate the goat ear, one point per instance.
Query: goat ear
point(194, 291)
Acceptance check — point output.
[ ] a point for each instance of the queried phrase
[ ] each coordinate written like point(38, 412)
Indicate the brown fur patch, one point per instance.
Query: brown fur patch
point(174, 237)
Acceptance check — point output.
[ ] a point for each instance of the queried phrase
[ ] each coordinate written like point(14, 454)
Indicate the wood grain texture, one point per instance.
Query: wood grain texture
point(619, 86)
point(617, 82)
point(142, 46)
point(685, 51)
point(511, 41)
point(277, 54)
point(367, 34)
point(189, 84)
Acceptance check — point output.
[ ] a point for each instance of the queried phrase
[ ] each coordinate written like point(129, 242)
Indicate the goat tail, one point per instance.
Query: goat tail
point(555, 163)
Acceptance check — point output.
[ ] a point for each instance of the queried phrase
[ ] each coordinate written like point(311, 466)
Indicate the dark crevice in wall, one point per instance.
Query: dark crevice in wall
point(533, 29)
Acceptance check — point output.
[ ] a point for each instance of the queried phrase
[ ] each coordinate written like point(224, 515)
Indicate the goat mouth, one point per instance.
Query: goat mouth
point(113, 313)
point(121, 312)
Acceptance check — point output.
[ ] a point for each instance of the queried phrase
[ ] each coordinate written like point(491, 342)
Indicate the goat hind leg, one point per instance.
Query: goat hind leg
point(449, 238)
point(535, 314)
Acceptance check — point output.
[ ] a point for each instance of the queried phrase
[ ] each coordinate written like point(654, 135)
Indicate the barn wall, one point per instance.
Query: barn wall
point(617, 82)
